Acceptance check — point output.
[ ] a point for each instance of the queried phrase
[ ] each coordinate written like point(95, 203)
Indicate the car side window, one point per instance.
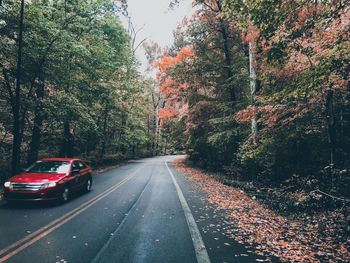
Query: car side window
point(75, 166)
point(81, 165)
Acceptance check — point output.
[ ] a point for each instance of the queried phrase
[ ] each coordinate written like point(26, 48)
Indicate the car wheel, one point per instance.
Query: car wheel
point(65, 194)
point(88, 185)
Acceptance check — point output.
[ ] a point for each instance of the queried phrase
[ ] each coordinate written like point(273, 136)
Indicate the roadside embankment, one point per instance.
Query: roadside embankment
point(316, 237)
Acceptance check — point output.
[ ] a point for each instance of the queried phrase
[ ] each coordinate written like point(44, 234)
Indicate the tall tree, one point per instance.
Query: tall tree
point(16, 148)
point(79, 81)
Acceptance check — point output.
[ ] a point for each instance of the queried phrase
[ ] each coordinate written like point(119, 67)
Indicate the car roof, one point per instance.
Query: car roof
point(60, 159)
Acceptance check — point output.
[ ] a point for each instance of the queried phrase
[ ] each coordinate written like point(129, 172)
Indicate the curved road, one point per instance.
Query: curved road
point(139, 212)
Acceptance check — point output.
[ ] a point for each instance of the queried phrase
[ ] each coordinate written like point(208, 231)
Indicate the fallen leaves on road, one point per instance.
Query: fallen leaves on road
point(311, 239)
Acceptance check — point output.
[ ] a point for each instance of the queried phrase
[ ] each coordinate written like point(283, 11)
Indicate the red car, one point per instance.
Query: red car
point(49, 179)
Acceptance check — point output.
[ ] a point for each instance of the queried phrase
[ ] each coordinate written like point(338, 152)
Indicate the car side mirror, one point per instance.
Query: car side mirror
point(75, 171)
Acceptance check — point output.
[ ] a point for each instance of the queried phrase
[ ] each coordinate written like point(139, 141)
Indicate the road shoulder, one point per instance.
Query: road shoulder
point(213, 226)
point(266, 232)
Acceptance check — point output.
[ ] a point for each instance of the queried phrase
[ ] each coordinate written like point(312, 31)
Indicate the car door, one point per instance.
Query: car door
point(75, 180)
point(84, 173)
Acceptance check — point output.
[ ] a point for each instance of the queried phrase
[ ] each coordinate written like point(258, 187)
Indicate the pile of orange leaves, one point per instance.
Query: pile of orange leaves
point(312, 239)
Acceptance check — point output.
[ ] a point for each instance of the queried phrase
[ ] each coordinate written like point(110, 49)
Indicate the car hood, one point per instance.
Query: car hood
point(36, 177)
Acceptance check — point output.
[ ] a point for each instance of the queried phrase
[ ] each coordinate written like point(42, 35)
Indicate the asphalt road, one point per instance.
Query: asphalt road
point(144, 211)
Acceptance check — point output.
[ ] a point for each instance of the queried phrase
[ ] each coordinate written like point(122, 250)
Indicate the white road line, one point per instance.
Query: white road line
point(199, 247)
point(98, 257)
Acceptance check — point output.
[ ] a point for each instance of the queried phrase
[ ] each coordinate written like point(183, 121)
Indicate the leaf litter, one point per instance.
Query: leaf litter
point(310, 238)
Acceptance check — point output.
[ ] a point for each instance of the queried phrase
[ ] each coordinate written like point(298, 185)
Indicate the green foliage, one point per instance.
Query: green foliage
point(79, 72)
point(218, 83)
point(302, 101)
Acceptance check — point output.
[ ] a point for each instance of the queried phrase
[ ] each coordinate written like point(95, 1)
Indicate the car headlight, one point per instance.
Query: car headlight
point(51, 184)
point(7, 184)
point(48, 185)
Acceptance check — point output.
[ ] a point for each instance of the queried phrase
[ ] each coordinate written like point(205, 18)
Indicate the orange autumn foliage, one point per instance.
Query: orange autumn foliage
point(167, 113)
point(170, 88)
point(250, 34)
point(166, 62)
point(305, 51)
point(327, 41)
point(276, 115)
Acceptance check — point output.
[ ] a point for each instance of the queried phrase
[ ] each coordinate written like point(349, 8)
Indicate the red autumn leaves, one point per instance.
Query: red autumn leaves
point(309, 239)
point(171, 89)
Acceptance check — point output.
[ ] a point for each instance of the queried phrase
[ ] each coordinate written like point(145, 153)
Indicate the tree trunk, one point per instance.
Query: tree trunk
point(331, 130)
point(227, 50)
point(105, 119)
point(331, 124)
point(68, 141)
point(16, 146)
point(252, 77)
point(33, 152)
point(122, 133)
point(166, 145)
point(228, 56)
point(133, 150)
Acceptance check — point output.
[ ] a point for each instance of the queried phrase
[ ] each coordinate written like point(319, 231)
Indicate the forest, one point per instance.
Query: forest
point(253, 98)
point(258, 91)
point(70, 85)
point(261, 91)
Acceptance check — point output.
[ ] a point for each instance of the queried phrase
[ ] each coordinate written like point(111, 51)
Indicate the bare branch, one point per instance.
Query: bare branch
point(141, 42)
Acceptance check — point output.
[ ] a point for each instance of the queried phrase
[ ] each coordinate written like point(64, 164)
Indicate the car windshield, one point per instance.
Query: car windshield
point(49, 167)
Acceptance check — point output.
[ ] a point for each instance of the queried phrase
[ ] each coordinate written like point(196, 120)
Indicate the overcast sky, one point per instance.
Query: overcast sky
point(156, 20)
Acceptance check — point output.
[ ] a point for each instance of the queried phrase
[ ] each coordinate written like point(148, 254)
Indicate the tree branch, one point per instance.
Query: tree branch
point(331, 196)
point(8, 87)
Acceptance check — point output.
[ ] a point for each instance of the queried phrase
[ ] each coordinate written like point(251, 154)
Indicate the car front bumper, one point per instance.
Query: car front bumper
point(42, 195)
